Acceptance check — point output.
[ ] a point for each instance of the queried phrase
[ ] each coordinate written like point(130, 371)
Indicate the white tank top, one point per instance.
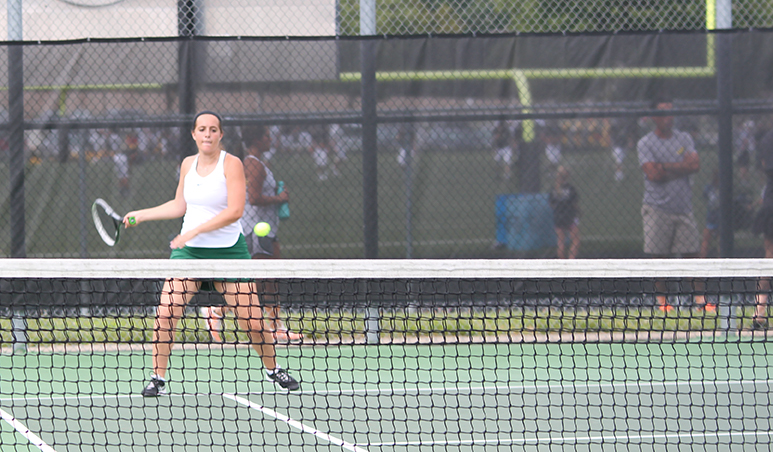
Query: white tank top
point(205, 198)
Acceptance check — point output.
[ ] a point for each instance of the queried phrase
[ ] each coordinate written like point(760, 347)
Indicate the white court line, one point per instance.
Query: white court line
point(293, 423)
point(537, 387)
point(455, 389)
point(574, 439)
point(21, 428)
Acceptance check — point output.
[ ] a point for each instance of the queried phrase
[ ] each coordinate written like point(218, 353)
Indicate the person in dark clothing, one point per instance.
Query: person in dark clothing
point(564, 201)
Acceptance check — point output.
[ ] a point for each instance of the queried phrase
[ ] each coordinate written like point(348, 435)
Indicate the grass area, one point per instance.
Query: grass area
point(586, 321)
point(100, 330)
point(452, 206)
point(343, 325)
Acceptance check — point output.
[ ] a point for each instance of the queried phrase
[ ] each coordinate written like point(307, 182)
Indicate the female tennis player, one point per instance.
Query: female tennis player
point(261, 205)
point(210, 197)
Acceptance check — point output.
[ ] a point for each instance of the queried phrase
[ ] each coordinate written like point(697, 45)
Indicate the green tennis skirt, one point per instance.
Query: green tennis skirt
point(238, 251)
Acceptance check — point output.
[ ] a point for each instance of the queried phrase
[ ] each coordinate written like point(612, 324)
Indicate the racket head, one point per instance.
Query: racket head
point(107, 222)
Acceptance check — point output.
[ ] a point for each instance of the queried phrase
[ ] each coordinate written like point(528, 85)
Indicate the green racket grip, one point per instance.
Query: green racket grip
point(132, 221)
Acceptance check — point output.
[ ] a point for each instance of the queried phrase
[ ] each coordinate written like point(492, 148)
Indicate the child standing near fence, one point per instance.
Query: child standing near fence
point(565, 202)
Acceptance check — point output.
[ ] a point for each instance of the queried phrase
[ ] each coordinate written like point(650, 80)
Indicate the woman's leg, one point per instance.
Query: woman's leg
point(174, 296)
point(706, 243)
point(763, 287)
point(269, 301)
point(561, 243)
point(269, 296)
point(761, 308)
point(269, 291)
point(574, 237)
point(242, 299)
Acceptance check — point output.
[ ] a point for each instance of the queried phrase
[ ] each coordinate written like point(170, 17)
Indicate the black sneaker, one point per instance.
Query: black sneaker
point(155, 388)
point(283, 379)
point(760, 324)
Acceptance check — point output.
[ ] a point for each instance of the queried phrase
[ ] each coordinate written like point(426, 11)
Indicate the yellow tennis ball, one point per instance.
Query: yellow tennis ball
point(262, 229)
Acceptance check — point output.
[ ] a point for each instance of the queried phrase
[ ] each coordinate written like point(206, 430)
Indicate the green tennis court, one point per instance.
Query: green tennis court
point(710, 394)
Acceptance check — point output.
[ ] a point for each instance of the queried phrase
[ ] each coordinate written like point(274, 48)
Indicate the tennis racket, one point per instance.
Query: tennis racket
point(107, 222)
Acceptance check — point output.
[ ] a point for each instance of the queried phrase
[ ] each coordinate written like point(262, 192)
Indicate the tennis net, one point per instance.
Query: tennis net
point(397, 355)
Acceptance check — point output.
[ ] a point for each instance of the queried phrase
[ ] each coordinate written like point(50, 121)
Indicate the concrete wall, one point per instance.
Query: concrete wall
point(59, 20)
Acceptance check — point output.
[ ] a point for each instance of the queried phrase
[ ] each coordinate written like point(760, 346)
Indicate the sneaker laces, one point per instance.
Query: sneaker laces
point(281, 375)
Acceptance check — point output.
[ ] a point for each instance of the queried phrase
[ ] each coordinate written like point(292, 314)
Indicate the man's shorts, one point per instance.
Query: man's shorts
point(668, 233)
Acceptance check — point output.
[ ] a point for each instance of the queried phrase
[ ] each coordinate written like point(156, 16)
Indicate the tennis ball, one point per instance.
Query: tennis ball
point(262, 229)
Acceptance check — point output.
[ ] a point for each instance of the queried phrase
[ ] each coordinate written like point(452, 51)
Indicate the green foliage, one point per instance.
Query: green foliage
point(113, 330)
point(614, 15)
point(405, 17)
point(346, 325)
point(408, 17)
point(752, 13)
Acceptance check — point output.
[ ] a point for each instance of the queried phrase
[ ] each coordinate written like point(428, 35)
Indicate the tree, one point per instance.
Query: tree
point(408, 17)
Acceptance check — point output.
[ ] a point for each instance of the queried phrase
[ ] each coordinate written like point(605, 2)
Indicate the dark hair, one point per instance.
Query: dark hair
point(661, 98)
point(251, 134)
point(207, 112)
point(320, 134)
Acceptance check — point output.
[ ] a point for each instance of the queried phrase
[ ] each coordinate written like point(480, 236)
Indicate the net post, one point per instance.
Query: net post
point(19, 330)
point(726, 309)
point(372, 317)
point(372, 325)
point(85, 306)
point(727, 318)
point(368, 50)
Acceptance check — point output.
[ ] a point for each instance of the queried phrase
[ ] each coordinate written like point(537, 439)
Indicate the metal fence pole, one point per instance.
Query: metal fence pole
point(369, 149)
point(369, 152)
point(187, 25)
point(369, 129)
point(372, 316)
point(724, 62)
point(16, 127)
point(409, 171)
point(16, 144)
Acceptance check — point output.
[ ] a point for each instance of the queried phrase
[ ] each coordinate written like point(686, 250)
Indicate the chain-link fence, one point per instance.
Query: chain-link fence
point(466, 150)
point(414, 146)
point(77, 19)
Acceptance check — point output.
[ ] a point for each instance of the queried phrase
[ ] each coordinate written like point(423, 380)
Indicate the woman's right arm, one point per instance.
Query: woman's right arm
point(168, 210)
